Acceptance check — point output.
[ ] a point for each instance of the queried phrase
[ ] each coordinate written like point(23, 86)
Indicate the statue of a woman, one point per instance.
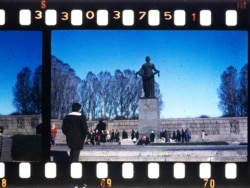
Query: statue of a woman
point(147, 73)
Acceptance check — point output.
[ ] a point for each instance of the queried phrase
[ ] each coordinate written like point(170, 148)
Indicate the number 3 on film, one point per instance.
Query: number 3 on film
point(209, 183)
point(38, 14)
point(65, 16)
point(4, 183)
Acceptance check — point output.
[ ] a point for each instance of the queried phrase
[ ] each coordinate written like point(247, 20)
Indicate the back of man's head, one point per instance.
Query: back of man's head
point(76, 107)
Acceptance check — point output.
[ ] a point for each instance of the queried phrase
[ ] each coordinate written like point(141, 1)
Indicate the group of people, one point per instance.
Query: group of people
point(98, 135)
point(95, 137)
point(75, 128)
point(182, 136)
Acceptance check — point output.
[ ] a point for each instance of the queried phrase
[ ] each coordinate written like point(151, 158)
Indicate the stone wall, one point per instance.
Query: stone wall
point(217, 129)
point(20, 124)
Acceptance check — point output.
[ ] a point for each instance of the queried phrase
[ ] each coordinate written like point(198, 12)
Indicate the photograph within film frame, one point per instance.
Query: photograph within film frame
point(103, 29)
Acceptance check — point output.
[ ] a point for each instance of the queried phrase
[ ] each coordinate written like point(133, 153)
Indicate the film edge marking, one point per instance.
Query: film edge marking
point(25, 19)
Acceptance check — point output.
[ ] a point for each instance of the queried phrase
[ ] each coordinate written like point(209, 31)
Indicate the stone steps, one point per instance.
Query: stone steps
point(165, 156)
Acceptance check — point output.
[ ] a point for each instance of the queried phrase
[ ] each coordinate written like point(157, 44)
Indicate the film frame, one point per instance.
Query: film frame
point(46, 16)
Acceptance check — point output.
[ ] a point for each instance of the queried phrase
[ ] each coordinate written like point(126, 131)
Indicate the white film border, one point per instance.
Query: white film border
point(205, 17)
point(127, 170)
point(25, 170)
point(128, 19)
point(2, 17)
point(231, 18)
point(25, 17)
point(51, 17)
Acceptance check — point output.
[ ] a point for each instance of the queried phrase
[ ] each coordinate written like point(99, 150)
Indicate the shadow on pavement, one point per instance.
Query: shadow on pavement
point(59, 156)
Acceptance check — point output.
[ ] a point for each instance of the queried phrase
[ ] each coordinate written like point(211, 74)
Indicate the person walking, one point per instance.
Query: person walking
point(202, 135)
point(152, 136)
point(75, 128)
point(53, 133)
point(178, 136)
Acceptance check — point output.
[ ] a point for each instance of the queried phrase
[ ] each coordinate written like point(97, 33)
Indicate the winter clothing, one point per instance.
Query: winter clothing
point(75, 129)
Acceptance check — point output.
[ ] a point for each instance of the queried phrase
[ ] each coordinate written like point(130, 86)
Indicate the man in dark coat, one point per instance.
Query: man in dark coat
point(152, 136)
point(75, 129)
point(101, 126)
point(100, 131)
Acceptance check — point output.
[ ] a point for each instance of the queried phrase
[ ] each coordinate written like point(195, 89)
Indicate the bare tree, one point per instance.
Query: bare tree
point(132, 93)
point(83, 94)
point(243, 92)
point(56, 87)
point(158, 95)
point(36, 91)
point(91, 90)
point(119, 93)
point(22, 92)
point(228, 92)
point(64, 88)
point(105, 80)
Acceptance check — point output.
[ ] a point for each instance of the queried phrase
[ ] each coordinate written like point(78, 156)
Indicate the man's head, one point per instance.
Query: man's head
point(76, 107)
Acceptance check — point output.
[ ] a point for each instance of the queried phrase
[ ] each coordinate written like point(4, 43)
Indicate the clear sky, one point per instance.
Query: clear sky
point(17, 50)
point(190, 62)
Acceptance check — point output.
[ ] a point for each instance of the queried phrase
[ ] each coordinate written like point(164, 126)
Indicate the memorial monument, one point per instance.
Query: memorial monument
point(149, 113)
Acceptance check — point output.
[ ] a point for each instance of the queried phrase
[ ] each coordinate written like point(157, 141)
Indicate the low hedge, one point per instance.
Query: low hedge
point(26, 148)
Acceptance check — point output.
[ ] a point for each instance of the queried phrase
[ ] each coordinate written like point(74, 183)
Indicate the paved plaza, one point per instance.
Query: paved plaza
point(134, 153)
point(167, 153)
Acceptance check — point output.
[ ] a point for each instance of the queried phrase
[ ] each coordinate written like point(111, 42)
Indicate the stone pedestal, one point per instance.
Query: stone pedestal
point(149, 116)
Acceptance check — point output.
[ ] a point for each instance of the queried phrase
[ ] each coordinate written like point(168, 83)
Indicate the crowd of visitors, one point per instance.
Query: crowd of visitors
point(180, 136)
point(97, 136)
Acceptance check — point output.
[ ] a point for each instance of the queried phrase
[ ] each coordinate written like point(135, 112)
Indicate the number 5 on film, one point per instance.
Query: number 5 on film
point(168, 15)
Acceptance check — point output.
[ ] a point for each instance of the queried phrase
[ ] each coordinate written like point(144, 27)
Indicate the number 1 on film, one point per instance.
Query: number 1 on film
point(194, 17)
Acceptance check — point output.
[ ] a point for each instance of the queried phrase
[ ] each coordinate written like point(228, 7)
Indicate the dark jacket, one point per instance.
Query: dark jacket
point(75, 129)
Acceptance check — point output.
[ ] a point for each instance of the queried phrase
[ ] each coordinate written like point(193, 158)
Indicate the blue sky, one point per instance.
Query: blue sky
point(190, 62)
point(17, 50)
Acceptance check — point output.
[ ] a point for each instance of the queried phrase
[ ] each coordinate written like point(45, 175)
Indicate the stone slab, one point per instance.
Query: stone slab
point(149, 116)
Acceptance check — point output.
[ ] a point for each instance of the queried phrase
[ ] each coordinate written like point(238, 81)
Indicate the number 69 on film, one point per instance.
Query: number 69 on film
point(106, 182)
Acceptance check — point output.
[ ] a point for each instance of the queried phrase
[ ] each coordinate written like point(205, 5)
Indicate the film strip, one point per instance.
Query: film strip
point(49, 19)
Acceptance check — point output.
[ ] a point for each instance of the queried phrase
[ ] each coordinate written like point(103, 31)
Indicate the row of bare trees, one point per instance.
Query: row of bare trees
point(111, 96)
point(233, 92)
point(103, 95)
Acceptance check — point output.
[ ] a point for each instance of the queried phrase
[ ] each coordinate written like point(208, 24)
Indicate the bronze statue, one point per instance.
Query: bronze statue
point(147, 73)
